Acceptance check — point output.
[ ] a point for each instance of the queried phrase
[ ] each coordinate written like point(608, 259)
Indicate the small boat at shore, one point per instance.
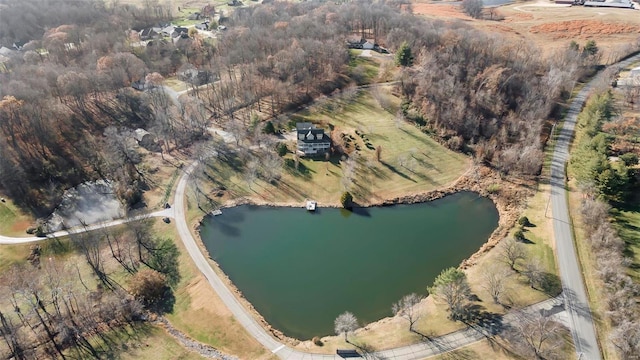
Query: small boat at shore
point(216, 212)
point(311, 205)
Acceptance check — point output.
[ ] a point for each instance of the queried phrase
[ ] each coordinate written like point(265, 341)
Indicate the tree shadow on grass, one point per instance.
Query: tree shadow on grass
point(396, 171)
point(476, 316)
point(117, 342)
point(301, 171)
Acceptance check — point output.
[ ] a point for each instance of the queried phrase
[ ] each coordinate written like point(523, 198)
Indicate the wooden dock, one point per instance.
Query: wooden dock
point(311, 205)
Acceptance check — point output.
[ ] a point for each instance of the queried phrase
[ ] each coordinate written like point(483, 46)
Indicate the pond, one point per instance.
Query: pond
point(300, 270)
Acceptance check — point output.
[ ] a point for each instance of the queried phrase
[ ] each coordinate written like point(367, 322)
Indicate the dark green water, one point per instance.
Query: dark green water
point(301, 270)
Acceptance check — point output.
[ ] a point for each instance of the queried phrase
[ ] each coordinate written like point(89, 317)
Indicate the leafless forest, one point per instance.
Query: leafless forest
point(68, 109)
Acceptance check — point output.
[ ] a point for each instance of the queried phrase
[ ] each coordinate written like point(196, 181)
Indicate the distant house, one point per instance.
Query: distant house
point(203, 25)
point(145, 139)
point(148, 34)
point(167, 30)
point(18, 45)
point(361, 43)
point(196, 76)
point(181, 41)
point(311, 140)
point(140, 84)
point(179, 31)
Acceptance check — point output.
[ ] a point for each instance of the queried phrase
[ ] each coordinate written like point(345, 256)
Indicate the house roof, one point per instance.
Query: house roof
point(147, 32)
point(308, 133)
point(140, 133)
point(304, 125)
point(180, 31)
point(168, 29)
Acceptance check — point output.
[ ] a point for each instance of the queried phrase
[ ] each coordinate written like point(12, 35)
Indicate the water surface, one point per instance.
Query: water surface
point(300, 270)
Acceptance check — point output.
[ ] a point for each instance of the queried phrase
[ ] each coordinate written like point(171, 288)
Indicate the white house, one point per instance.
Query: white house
point(311, 140)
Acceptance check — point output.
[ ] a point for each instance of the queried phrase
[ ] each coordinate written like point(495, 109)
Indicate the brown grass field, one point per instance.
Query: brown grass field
point(549, 26)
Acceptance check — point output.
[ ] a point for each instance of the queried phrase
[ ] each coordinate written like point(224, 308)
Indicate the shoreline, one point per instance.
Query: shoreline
point(509, 200)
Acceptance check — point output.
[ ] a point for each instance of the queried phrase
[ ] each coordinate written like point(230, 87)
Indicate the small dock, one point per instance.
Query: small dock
point(216, 212)
point(311, 205)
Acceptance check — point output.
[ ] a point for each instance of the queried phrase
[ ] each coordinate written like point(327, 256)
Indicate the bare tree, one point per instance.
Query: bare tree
point(511, 251)
point(472, 8)
point(626, 338)
point(272, 166)
point(11, 335)
point(534, 272)
point(494, 282)
point(406, 307)
point(251, 172)
point(345, 323)
point(536, 336)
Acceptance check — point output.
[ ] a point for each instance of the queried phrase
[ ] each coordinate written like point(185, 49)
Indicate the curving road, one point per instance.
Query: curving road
point(576, 300)
point(420, 350)
point(7, 240)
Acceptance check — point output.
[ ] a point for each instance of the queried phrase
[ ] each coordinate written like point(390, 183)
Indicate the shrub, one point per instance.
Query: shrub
point(519, 235)
point(524, 221)
point(281, 149)
point(269, 128)
point(493, 188)
point(346, 200)
point(148, 286)
point(472, 8)
point(317, 341)
point(629, 159)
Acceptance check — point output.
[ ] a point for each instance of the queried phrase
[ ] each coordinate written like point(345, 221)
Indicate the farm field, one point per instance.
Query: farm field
point(549, 26)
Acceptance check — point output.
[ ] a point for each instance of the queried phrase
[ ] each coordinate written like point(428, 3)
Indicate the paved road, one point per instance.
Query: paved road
point(417, 351)
point(7, 240)
point(576, 301)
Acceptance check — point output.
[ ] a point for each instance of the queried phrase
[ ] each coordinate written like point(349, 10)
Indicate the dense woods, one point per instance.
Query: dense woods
point(68, 109)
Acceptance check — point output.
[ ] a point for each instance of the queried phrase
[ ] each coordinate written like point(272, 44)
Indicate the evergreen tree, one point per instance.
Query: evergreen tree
point(404, 56)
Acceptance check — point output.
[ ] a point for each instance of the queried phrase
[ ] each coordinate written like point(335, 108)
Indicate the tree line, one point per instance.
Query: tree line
point(606, 180)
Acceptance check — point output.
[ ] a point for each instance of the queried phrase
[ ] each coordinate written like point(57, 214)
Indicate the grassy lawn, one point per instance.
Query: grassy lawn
point(157, 344)
point(411, 161)
point(175, 84)
point(13, 222)
point(364, 69)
